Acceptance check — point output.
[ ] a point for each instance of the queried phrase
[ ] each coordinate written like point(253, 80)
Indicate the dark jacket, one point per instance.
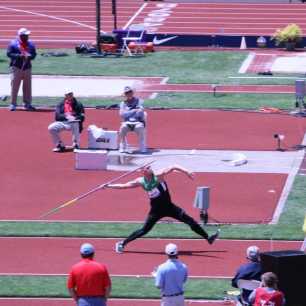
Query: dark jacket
point(251, 270)
point(14, 53)
point(78, 110)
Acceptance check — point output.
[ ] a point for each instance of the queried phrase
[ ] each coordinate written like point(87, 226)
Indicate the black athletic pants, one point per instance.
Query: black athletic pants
point(172, 211)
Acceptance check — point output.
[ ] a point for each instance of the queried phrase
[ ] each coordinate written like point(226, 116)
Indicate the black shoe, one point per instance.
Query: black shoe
point(30, 108)
point(75, 146)
point(211, 239)
point(59, 148)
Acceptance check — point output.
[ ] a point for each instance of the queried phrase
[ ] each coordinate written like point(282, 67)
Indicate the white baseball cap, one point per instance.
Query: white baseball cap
point(171, 249)
point(23, 31)
point(68, 91)
point(127, 89)
point(252, 252)
point(87, 249)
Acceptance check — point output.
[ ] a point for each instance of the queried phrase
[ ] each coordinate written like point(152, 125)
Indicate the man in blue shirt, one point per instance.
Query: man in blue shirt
point(170, 278)
point(21, 52)
point(251, 270)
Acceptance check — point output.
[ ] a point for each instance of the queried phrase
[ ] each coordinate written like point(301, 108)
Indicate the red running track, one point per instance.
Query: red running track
point(35, 179)
point(56, 255)
point(57, 23)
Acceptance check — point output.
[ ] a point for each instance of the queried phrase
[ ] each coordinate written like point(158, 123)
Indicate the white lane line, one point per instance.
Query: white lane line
point(135, 16)
point(48, 16)
point(247, 62)
point(287, 188)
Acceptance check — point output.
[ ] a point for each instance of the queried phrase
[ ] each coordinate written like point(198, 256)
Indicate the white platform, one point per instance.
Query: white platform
point(91, 159)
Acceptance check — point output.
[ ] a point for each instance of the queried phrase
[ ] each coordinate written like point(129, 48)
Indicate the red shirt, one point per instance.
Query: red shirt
point(264, 297)
point(89, 278)
point(68, 106)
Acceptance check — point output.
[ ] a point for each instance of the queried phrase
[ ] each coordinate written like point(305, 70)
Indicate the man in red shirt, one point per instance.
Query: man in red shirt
point(88, 282)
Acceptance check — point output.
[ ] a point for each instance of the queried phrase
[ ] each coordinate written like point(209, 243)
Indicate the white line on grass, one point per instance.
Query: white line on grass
point(266, 77)
point(287, 188)
point(246, 63)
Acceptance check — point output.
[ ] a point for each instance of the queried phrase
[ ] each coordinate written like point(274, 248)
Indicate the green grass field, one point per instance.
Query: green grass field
point(180, 67)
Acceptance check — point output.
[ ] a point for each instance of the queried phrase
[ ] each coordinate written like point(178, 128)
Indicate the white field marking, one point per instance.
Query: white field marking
point(265, 77)
point(220, 90)
point(49, 16)
point(164, 80)
point(246, 63)
point(287, 188)
point(134, 16)
point(199, 240)
point(153, 95)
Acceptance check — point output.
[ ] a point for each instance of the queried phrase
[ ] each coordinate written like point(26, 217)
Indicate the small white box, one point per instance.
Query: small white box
point(102, 139)
point(90, 159)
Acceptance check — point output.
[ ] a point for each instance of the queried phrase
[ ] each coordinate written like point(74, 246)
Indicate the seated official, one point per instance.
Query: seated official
point(69, 116)
point(133, 120)
point(251, 270)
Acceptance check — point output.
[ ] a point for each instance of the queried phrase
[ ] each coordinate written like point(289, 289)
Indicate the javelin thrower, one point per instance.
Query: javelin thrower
point(161, 205)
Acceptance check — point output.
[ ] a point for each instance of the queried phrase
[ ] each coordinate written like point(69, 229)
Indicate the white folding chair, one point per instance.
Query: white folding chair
point(134, 34)
point(246, 284)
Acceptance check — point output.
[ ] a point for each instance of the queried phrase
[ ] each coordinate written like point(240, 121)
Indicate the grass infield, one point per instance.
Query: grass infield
point(122, 287)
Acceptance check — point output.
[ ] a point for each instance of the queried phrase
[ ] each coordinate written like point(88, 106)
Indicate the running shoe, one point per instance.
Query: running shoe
point(213, 237)
point(12, 107)
point(119, 248)
point(59, 148)
point(29, 107)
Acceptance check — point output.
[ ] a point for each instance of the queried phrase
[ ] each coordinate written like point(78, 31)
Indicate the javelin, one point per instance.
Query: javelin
point(52, 211)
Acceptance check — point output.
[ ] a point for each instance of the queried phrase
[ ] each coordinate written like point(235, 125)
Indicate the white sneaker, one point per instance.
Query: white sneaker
point(119, 248)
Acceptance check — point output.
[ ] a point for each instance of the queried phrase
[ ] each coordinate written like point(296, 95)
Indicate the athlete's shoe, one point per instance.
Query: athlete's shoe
point(119, 248)
point(211, 239)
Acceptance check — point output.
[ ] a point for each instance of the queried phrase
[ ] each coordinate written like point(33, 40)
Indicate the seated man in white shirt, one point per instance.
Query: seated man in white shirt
point(133, 120)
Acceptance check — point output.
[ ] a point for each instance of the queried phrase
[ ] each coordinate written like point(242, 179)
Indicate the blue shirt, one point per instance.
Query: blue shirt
point(250, 270)
point(171, 276)
point(14, 53)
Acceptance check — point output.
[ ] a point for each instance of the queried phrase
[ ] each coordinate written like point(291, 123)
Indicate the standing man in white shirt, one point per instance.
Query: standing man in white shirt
point(170, 278)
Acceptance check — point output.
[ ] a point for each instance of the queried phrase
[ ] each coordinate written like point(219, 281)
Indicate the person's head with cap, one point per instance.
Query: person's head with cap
point(171, 250)
point(253, 253)
point(87, 250)
point(68, 93)
point(23, 34)
point(128, 92)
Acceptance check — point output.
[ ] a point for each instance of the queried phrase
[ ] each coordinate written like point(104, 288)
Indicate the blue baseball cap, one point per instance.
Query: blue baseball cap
point(87, 249)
